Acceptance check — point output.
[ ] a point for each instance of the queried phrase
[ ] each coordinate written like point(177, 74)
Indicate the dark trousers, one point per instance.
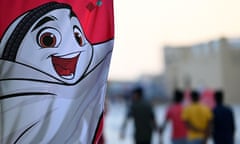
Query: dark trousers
point(143, 142)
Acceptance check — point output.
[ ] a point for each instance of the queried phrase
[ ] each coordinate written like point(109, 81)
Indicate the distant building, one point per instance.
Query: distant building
point(153, 86)
point(214, 65)
point(119, 90)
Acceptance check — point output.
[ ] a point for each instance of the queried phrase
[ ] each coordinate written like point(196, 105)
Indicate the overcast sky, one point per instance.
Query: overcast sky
point(143, 27)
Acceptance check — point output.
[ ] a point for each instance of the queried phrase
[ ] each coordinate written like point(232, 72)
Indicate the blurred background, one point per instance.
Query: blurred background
point(166, 44)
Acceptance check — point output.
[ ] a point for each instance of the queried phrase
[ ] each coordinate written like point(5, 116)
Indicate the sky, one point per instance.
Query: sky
point(144, 27)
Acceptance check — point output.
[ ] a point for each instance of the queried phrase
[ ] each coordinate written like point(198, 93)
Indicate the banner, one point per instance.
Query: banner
point(54, 63)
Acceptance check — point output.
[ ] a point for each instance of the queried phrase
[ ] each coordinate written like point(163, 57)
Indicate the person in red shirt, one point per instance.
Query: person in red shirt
point(173, 115)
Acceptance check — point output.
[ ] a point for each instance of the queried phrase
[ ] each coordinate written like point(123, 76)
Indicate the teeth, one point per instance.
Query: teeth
point(70, 55)
point(69, 76)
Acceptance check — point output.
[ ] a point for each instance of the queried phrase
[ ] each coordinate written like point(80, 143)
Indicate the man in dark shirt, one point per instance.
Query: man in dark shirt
point(223, 122)
point(143, 116)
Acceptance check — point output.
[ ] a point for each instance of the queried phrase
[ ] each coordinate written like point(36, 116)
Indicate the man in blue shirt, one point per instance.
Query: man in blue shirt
point(223, 121)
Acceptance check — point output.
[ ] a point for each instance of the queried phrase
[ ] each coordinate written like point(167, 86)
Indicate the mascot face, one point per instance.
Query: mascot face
point(56, 45)
point(52, 79)
point(46, 59)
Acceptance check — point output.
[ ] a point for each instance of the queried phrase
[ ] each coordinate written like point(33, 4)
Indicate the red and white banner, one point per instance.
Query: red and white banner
point(54, 62)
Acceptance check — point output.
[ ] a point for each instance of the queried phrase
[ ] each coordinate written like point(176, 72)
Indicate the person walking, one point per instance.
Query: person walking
point(197, 118)
point(143, 116)
point(173, 115)
point(223, 121)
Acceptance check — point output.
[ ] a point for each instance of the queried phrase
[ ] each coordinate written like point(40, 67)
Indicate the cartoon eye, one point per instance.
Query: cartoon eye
point(78, 35)
point(49, 38)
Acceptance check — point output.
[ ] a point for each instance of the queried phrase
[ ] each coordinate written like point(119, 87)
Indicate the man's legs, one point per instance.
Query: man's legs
point(143, 142)
point(195, 141)
point(179, 141)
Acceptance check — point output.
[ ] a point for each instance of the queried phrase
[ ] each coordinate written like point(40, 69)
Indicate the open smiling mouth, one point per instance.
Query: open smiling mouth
point(65, 67)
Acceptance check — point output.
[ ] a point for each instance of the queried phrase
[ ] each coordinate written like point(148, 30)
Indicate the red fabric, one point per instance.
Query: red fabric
point(99, 133)
point(97, 22)
point(96, 19)
point(207, 98)
point(174, 115)
point(101, 140)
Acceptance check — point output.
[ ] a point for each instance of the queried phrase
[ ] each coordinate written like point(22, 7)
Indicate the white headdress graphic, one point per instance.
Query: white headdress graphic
point(53, 77)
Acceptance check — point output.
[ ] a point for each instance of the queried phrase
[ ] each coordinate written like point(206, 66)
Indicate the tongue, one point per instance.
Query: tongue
point(64, 66)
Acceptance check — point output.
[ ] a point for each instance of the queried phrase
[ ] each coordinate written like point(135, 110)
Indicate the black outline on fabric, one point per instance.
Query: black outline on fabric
point(85, 74)
point(83, 40)
point(11, 49)
point(24, 94)
point(102, 41)
point(26, 130)
point(96, 130)
point(18, 34)
point(72, 14)
point(43, 21)
point(40, 32)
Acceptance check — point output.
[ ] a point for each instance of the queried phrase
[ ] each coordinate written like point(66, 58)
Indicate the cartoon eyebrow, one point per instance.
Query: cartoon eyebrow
point(71, 15)
point(44, 20)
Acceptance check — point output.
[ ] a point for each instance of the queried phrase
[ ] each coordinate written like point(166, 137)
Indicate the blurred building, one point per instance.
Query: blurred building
point(214, 65)
point(119, 90)
point(153, 86)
